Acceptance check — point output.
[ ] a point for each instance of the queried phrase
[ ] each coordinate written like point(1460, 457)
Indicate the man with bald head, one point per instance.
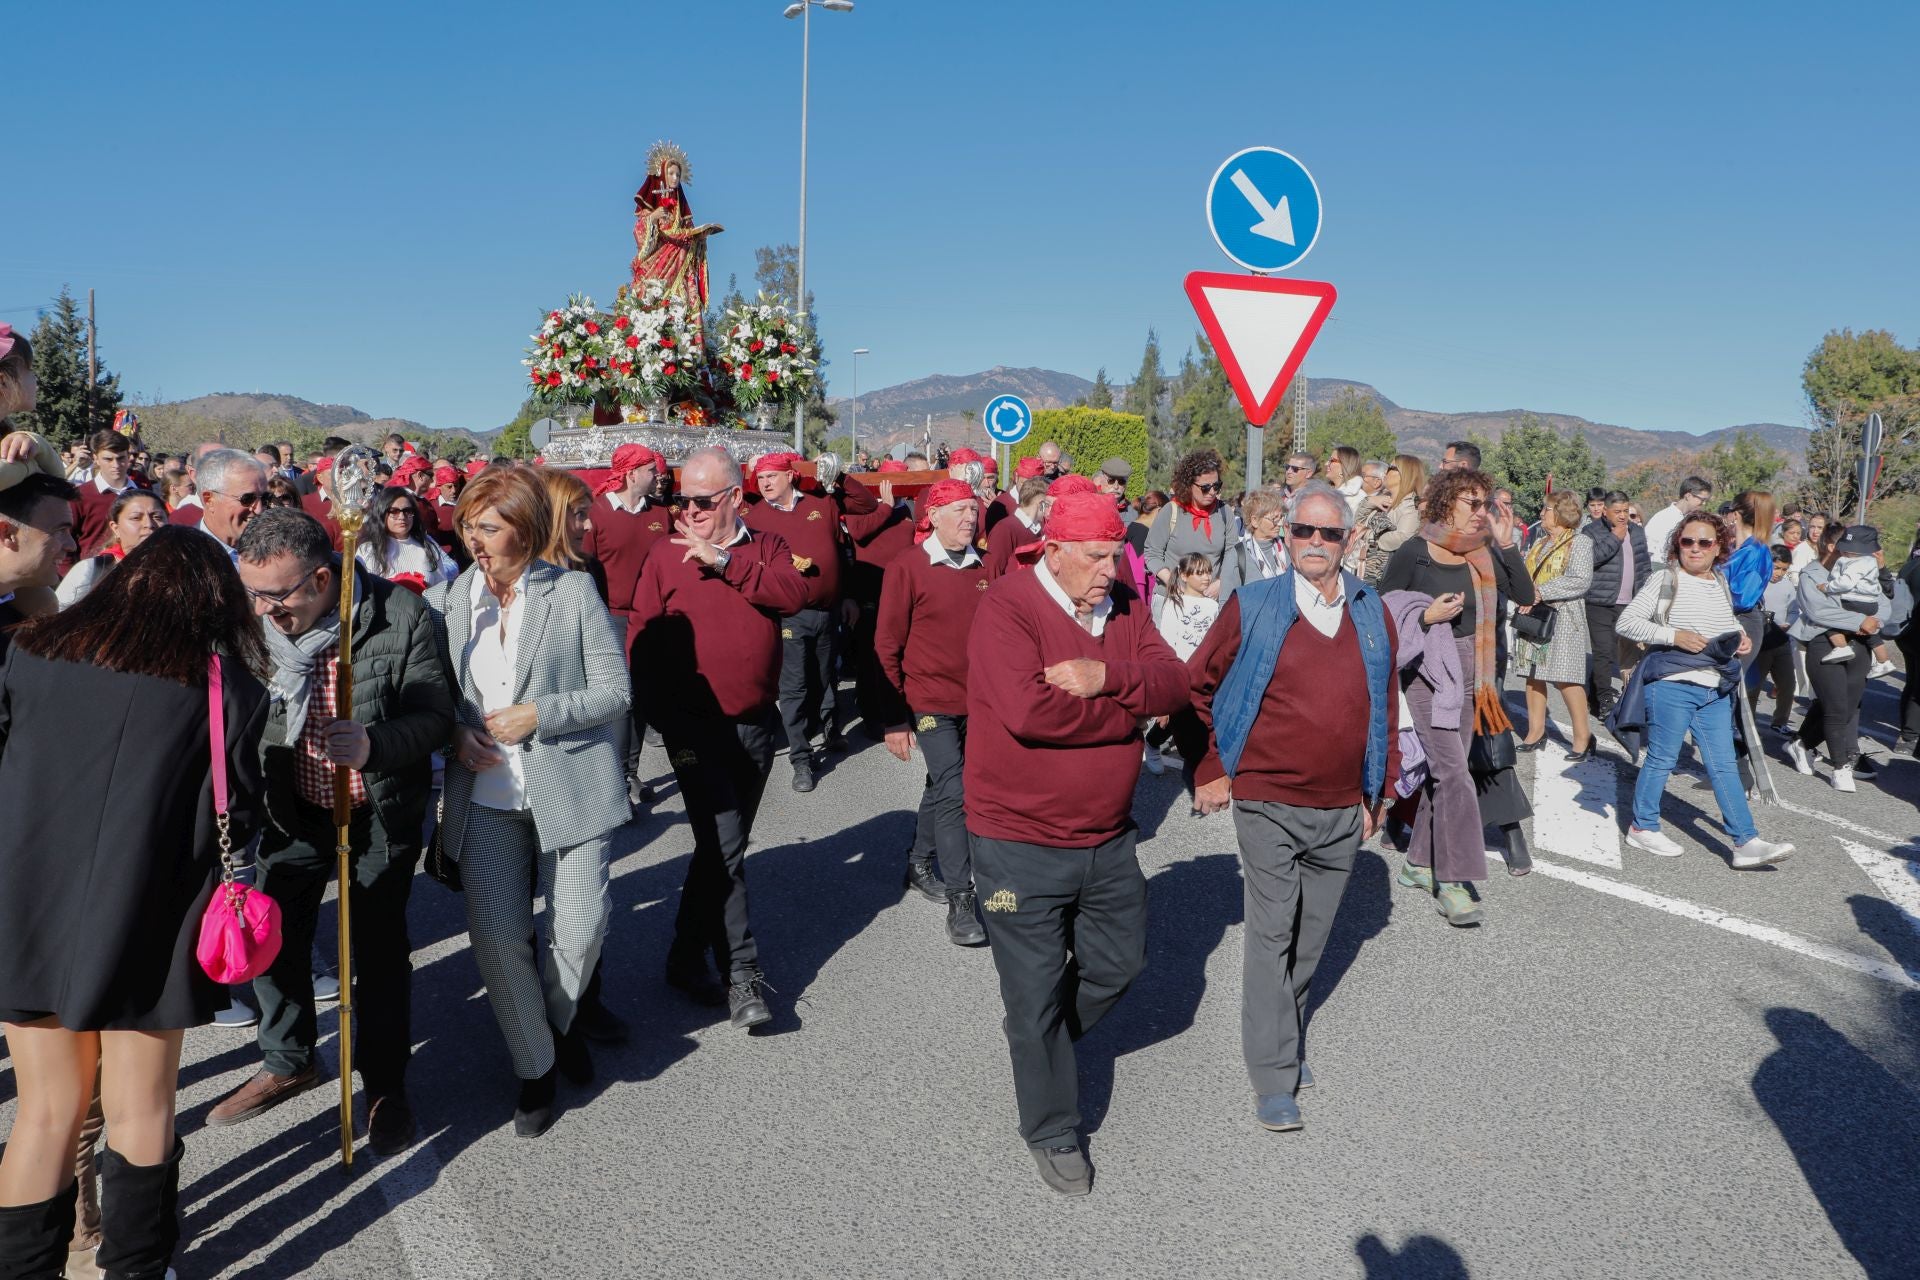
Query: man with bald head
point(706, 646)
point(1050, 455)
point(1303, 742)
point(1063, 663)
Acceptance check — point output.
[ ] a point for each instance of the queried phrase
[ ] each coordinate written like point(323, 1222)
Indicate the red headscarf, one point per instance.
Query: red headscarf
point(627, 459)
point(410, 466)
point(325, 464)
point(989, 466)
point(1084, 517)
point(446, 473)
point(958, 456)
point(891, 464)
point(1028, 468)
point(1071, 484)
point(776, 462)
point(475, 467)
point(937, 496)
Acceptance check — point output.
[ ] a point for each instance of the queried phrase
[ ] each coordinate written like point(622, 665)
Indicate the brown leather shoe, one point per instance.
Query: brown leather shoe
point(262, 1093)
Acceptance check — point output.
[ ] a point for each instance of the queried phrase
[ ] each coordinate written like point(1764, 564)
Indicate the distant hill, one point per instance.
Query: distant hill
point(892, 414)
point(243, 413)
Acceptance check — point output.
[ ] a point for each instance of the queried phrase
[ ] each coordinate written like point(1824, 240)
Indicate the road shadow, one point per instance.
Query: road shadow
point(1189, 908)
point(1363, 916)
point(1854, 1129)
point(1889, 926)
point(1422, 1257)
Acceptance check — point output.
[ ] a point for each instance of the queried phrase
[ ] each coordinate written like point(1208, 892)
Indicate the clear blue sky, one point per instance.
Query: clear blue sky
point(1646, 214)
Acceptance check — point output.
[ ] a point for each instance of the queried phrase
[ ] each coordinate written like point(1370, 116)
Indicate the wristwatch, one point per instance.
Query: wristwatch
point(722, 559)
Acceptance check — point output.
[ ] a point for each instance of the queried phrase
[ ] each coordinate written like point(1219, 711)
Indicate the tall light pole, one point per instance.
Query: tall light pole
point(803, 10)
point(853, 448)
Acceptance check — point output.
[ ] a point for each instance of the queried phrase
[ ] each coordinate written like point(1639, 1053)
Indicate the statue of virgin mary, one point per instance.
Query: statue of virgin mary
point(671, 249)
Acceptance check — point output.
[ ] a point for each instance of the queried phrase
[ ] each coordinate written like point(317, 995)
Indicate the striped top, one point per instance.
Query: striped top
point(1700, 605)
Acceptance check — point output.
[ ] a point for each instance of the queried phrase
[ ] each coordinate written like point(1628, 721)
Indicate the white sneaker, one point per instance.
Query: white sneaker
point(1759, 853)
point(1878, 669)
point(1654, 842)
point(1843, 654)
point(1797, 752)
point(1843, 778)
point(1155, 765)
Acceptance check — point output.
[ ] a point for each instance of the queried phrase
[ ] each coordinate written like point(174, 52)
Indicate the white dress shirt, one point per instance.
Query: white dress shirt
point(1660, 531)
point(1324, 614)
point(407, 556)
point(938, 554)
point(493, 660)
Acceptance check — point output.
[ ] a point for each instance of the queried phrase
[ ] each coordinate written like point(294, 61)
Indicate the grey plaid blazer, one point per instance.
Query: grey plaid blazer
point(573, 667)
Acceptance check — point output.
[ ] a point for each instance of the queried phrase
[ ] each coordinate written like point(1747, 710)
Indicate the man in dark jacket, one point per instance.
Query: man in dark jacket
point(1620, 568)
point(402, 713)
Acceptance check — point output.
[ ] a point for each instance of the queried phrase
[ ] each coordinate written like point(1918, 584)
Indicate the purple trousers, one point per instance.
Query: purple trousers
point(1448, 832)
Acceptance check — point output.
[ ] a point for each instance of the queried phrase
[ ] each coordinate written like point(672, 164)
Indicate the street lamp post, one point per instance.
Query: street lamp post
point(803, 10)
point(853, 431)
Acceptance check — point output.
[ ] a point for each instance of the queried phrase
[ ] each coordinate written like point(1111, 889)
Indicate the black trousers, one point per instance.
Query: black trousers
point(1909, 646)
point(1774, 661)
point(1606, 651)
point(1068, 928)
point(722, 769)
point(943, 811)
point(1834, 715)
point(807, 675)
point(1294, 866)
point(870, 690)
point(295, 868)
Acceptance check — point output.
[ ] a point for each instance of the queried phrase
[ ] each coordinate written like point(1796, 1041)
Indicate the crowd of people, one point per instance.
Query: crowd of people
point(1324, 656)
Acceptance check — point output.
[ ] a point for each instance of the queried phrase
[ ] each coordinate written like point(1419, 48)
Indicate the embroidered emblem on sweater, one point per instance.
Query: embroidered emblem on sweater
point(927, 724)
point(803, 563)
point(657, 527)
point(1002, 901)
point(786, 633)
point(813, 515)
point(981, 585)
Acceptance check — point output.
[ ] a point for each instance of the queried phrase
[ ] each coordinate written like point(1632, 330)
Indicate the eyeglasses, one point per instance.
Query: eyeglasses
point(404, 512)
point(1699, 544)
point(278, 599)
point(1328, 533)
point(705, 501)
point(1475, 504)
point(1209, 488)
point(1294, 466)
point(253, 499)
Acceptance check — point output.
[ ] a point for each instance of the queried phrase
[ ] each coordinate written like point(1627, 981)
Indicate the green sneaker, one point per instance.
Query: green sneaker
point(1457, 905)
point(1413, 877)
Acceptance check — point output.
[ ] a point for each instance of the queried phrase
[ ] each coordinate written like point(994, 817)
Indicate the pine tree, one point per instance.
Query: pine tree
point(1100, 396)
point(1143, 397)
point(60, 365)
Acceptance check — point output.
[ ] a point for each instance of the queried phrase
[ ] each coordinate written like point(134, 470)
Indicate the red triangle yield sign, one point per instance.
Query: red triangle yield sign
point(1260, 328)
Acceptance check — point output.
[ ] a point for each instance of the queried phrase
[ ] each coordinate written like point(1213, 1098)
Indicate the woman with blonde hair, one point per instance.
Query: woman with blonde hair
point(1392, 516)
point(1343, 473)
point(1561, 565)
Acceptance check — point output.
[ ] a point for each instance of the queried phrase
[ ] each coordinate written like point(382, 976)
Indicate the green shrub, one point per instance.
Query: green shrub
point(1090, 437)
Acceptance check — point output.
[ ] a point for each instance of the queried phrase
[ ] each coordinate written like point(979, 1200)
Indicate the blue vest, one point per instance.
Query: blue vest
point(1267, 611)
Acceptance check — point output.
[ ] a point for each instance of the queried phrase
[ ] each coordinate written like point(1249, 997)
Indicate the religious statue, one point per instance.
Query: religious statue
point(671, 248)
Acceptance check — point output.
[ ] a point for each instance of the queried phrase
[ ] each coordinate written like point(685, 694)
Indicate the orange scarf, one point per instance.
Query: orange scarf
point(1477, 549)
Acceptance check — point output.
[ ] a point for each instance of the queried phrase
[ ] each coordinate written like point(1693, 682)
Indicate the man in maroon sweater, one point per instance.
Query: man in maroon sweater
point(708, 609)
point(877, 536)
point(1306, 777)
point(1023, 529)
point(626, 524)
point(1062, 665)
point(810, 527)
point(926, 612)
point(112, 465)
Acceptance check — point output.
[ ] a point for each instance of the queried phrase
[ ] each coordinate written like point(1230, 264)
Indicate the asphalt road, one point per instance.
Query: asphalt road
point(1638, 1066)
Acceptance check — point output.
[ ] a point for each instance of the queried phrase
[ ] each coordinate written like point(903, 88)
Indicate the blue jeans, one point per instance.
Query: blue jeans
point(1673, 707)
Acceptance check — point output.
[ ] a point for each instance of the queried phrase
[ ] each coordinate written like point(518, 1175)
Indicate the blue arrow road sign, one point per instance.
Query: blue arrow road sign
point(1007, 419)
point(1264, 209)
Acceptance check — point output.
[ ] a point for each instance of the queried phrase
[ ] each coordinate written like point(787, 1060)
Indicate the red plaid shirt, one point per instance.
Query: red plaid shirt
point(312, 770)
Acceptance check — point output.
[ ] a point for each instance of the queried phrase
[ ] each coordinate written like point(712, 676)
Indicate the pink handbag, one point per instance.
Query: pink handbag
point(240, 932)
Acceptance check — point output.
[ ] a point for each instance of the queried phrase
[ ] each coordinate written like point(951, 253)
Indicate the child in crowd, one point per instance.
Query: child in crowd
point(1780, 606)
point(1183, 614)
point(1854, 581)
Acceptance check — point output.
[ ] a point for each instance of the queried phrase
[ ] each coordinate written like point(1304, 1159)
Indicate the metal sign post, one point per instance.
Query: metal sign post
point(1872, 435)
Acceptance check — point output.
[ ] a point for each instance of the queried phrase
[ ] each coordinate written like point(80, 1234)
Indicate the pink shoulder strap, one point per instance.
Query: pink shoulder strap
point(217, 732)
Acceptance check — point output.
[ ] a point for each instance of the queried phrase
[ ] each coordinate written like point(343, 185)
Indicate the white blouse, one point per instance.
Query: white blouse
point(408, 556)
point(493, 659)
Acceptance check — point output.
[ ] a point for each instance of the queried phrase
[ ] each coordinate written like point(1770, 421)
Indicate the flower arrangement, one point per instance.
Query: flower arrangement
point(768, 355)
point(570, 359)
point(656, 347)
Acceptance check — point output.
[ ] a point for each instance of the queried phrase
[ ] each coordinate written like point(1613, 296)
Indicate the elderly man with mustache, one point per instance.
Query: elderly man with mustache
point(1303, 742)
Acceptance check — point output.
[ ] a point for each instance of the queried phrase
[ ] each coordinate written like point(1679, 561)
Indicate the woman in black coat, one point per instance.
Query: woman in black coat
point(108, 856)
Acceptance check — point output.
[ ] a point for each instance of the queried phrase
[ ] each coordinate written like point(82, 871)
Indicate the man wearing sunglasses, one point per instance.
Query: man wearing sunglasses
point(233, 490)
point(1303, 742)
point(707, 648)
point(1300, 468)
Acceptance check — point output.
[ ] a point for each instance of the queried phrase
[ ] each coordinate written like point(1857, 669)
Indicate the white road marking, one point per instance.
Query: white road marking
point(1893, 842)
point(1868, 965)
point(1573, 807)
point(1896, 878)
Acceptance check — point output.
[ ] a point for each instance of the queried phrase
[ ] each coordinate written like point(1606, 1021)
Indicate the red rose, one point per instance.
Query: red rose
point(786, 349)
point(553, 315)
point(755, 346)
point(667, 343)
point(621, 323)
point(553, 379)
point(773, 377)
point(633, 340)
point(592, 328)
point(746, 371)
point(559, 353)
point(672, 369)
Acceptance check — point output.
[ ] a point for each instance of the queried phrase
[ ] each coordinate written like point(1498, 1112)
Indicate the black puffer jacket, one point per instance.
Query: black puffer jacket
point(1607, 563)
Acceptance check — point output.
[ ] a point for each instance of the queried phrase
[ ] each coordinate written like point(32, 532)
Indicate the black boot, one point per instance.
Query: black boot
point(963, 924)
point(139, 1216)
point(33, 1237)
point(533, 1113)
point(922, 878)
point(571, 1055)
point(1519, 860)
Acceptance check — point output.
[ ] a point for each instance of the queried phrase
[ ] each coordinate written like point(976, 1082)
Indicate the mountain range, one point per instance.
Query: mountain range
point(890, 415)
point(948, 406)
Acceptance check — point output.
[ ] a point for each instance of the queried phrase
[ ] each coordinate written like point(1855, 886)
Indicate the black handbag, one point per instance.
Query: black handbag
point(1491, 752)
point(1536, 626)
point(440, 867)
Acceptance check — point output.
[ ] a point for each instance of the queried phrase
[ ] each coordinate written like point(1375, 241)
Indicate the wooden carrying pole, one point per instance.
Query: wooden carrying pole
point(342, 820)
